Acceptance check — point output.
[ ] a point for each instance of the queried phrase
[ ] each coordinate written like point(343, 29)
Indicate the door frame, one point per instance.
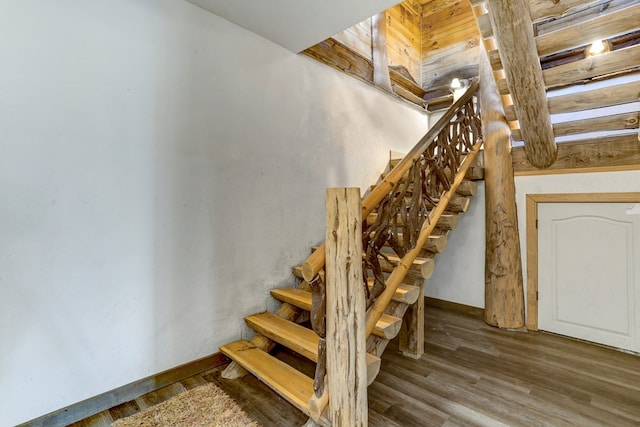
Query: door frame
point(532, 201)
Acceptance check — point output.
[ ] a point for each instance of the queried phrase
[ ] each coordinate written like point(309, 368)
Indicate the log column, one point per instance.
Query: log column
point(412, 332)
point(504, 291)
point(346, 344)
point(513, 30)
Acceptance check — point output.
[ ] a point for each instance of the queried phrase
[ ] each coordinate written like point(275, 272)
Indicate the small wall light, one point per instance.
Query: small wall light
point(598, 47)
point(458, 87)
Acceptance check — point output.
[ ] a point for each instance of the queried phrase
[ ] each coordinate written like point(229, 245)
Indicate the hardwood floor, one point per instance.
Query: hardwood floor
point(470, 375)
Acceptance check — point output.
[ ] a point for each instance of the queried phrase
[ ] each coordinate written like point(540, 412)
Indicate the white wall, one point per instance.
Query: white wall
point(600, 182)
point(459, 273)
point(161, 169)
point(465, 284)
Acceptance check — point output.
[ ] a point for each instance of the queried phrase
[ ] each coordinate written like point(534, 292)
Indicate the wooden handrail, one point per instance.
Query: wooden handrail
point(318, 404)
point(315, 262)
point(398, 274)
point(434, 169)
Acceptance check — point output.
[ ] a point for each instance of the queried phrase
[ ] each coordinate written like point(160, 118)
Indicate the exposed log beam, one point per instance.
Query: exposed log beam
point(596, 98)
point(503, 89)
point(582, 33)
point(598, 124)
point(545, 9)
point(484, 25)
point(623, 93)
point(494, 59)
point(583, 13)
point(339, 56)
point(513, 30)
point(379, 51)
point(619, 152)
point(408, 95)
point(594, 124)
point(611, 63)
point(399, 80)
point(510, 113)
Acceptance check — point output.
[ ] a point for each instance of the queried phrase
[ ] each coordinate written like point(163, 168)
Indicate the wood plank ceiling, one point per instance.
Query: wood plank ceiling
point(431, 41)
point(561, 33)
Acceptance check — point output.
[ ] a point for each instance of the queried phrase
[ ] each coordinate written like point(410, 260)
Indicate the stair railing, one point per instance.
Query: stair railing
point(448, 127)
point(410, 199)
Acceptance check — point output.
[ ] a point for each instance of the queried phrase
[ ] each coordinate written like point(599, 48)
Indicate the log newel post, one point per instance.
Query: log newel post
point(346, 343)
point(504, 291)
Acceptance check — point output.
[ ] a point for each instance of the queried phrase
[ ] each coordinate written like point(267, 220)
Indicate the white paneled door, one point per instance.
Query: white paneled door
point(589, 272)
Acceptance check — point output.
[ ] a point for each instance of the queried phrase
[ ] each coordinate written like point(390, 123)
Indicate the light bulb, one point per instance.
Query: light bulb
point(597, 47)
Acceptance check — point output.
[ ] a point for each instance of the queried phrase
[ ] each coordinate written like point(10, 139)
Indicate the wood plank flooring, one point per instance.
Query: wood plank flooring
point(470, 375)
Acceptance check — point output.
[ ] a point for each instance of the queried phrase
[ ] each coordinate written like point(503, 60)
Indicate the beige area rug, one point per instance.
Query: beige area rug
point(204, 406)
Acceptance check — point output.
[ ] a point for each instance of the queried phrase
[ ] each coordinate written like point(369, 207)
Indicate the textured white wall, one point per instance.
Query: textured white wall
point(600, 182)
point(161, 169)
point(459, 273)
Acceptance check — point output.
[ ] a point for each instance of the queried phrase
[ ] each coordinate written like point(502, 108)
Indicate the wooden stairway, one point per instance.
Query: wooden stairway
point(404, 221)
point(281, 327)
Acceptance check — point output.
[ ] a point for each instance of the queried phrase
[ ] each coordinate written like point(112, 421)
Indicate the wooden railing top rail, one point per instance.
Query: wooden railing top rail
point(397, 276)
point(315, 262)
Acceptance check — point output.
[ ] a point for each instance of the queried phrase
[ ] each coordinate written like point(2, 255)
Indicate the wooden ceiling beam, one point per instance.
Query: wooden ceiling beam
point(510, 113)
point(611, 63)
point(617, 152)
point(596, 98)
point(598, 124)
point(513, 31)
point(484, 25)
point(494, 60)
point(545, 9)
point(583, 33)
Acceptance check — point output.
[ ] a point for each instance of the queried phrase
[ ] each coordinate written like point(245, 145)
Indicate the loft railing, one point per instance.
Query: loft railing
point(409, 201)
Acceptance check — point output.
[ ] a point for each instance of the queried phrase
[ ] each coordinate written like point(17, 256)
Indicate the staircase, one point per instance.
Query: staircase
point(428, 191)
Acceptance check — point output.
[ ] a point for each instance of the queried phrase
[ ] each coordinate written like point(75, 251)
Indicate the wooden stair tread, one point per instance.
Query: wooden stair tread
point(288, 382)
point(421, 268)
point(457, 203)
point(475, 172)
point(406, 294)
point(304, 341)
point(447, 221)
point(294, 296)
point(424, 266)
point(466, 187)
point(436, 244)
point(298, 338)
point(388, 326)
point(297, 271)
point(291, 335)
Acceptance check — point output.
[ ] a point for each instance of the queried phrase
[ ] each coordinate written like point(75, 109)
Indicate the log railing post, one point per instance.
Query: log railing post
point(346, 343)
point(412, 332)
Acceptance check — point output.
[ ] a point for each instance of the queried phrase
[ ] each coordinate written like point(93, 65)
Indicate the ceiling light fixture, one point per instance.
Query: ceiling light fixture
point(598, 47)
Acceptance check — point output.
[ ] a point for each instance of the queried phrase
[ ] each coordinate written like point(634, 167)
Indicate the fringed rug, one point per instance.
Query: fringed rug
point(204, 406)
